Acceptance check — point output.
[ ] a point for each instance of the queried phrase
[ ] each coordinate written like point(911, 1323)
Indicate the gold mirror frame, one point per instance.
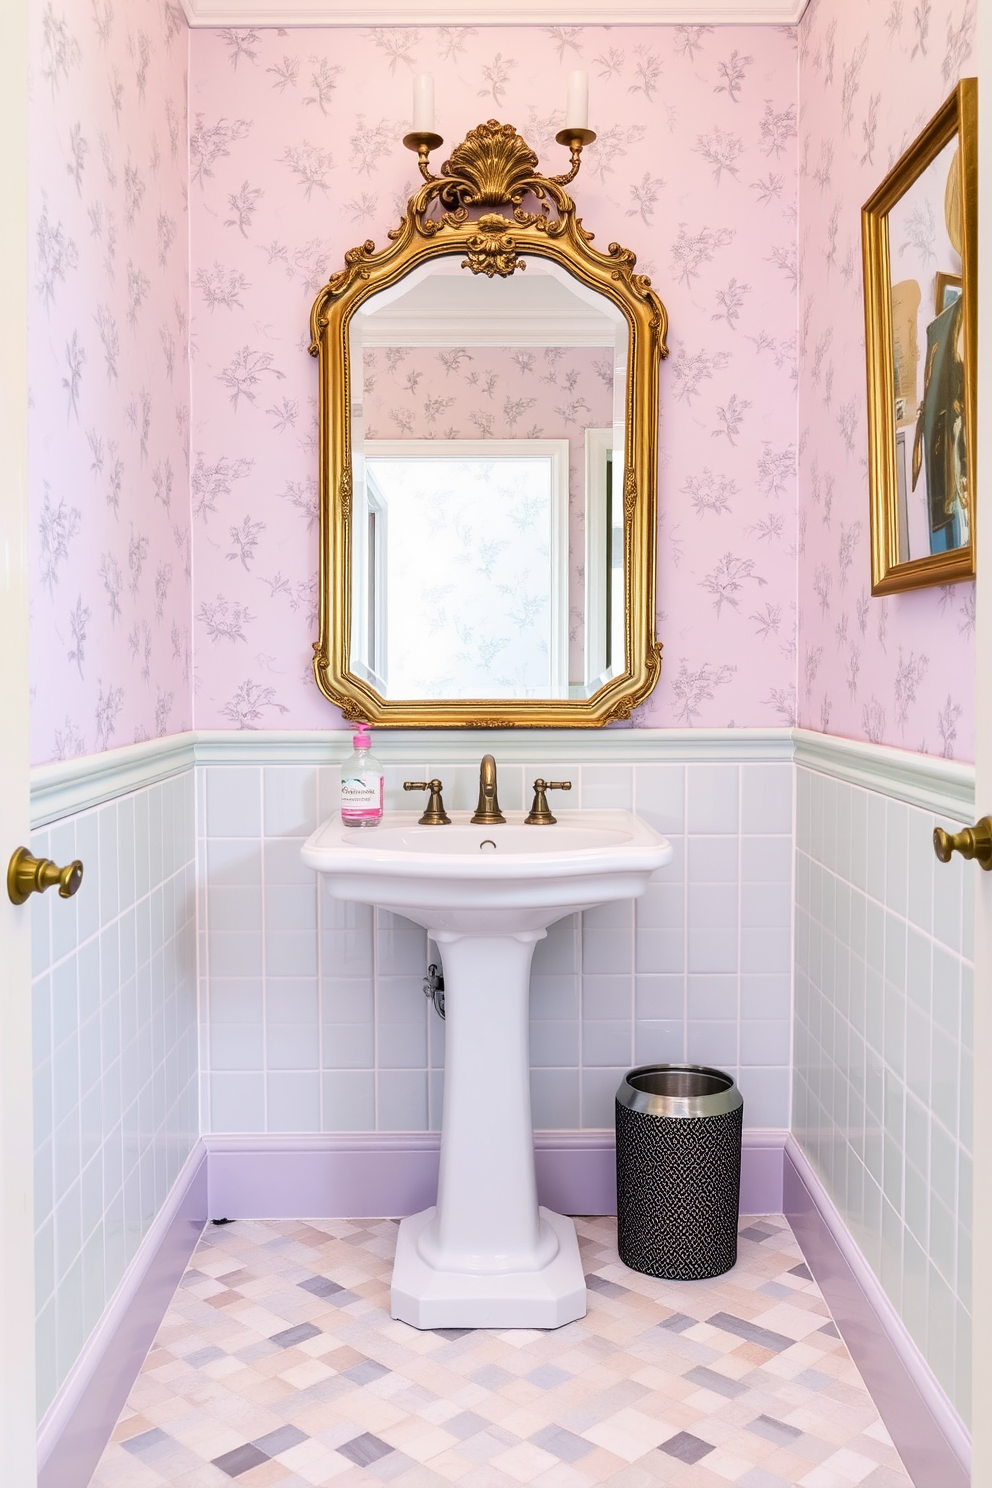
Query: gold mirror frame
point(492, 168)
point(957, 116)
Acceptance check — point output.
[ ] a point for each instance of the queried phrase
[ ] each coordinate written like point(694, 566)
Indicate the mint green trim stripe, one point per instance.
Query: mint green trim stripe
point(944, 787)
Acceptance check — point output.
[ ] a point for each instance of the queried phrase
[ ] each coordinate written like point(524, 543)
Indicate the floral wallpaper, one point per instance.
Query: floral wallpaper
point(296, 155)
point(896, 670)
point(291, 155)
point(109, 380)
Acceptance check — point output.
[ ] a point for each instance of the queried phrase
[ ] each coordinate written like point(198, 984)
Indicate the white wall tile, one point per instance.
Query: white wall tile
point(766, 860)
point(607, 951)
point(712, 793)
point(714, 859)
point(659, 1042)
point(609, 787)
point(293, 1101)
point(659, 950)
point(882, 1051)
point(349, 1101)
point(766, 799)
point(401, 1100)
point(606, 998)
point(554, 1044)
point(555, 1101)
point(607, 1043)
point(237, 1102)
point(713, 950)
point(659, 797)
point(233, 801)
point(289, 795)
point(599, 1088)
point(713, 1042)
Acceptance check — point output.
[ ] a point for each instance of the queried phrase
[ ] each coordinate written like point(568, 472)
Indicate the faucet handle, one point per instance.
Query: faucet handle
point(540, 816)
point(435, 815)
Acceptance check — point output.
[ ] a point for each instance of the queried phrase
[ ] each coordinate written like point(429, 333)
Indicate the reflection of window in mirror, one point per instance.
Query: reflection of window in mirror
point(604, 606)
point(465, 588)
point(368, 609)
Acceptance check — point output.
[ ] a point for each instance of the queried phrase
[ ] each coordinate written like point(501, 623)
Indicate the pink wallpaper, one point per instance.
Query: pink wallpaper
point(291, 161)
point(296, 156)
point(898, 670)
point(110, 627)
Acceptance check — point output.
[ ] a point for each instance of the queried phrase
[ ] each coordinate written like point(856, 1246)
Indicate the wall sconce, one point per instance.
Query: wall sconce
point(576, 134)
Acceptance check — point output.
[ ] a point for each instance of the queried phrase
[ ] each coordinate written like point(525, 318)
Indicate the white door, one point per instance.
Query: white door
point(982, 1218)
point(17, 1394)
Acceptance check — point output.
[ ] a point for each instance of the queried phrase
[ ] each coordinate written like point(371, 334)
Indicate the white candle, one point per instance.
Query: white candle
point(577, 107)
point(423, 104)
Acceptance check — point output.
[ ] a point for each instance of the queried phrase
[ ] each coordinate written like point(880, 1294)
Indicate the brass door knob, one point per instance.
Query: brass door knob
point(27, 875)
point(970, 842)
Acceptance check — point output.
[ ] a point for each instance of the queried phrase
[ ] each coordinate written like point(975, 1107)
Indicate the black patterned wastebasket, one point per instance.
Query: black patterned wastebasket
point(678, 1170)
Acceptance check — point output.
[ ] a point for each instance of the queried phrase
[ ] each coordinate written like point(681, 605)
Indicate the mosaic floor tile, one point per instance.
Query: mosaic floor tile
point(278, 1366)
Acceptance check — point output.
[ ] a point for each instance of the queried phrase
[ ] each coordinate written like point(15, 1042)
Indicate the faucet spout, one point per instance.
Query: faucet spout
point(487, 813)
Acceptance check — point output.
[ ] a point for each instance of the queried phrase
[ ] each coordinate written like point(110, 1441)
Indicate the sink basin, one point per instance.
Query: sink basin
point(462, 837)
point(465, 877)
point(486, 1256)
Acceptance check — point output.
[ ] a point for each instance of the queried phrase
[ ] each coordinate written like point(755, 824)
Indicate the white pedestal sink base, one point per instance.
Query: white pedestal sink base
point(486, 1256)
point(429, 1298)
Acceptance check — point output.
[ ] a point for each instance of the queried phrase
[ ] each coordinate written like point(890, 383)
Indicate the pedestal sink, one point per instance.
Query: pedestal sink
point(486, 1256)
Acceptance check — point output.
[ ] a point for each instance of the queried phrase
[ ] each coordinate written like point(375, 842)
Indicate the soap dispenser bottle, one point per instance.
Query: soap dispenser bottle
point(361, 784)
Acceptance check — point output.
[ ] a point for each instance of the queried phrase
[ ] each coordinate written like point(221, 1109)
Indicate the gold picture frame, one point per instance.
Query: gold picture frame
point(920, 240)
point(477, 209)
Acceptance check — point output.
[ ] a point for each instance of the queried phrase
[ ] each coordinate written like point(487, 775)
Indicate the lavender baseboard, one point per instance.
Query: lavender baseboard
point(395, 1173)
point(77, 1425)
point(928, 1433)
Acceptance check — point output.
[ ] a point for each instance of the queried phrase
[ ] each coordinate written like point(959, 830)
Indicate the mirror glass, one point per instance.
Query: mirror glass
point(487, 436)
point(928, 371)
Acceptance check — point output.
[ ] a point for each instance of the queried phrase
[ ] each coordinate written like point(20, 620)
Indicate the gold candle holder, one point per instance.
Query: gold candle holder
point(422, 142)
point(575, 138)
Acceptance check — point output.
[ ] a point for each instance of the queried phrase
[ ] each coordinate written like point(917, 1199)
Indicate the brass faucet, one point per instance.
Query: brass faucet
point(487, 813)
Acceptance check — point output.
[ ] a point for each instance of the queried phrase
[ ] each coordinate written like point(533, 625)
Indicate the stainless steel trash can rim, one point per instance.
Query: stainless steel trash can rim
point(687, 1090)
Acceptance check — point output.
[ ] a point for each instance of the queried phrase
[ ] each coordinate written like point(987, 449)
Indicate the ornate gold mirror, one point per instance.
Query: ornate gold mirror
point(488, 457)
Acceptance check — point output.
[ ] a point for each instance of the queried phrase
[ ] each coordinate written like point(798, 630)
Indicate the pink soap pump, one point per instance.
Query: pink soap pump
point(361, 784)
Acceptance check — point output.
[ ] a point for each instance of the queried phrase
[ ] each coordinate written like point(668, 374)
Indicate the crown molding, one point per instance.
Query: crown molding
point(207, 14)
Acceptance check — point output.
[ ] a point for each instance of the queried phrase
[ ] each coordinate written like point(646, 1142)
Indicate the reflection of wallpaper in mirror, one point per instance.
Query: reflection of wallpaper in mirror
point(499, 392)
point(471, 565)
point(928, 335)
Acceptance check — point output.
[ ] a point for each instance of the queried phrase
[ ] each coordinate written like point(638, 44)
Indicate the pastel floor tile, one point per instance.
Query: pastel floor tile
point(277, 1365)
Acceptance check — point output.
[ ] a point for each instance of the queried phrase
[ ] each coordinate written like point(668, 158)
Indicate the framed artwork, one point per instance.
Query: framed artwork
point(919, 234)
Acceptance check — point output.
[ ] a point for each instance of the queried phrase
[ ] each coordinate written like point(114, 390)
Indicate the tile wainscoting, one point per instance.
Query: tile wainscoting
point(115, 1053)
point(883, 1060)
point(312, 1022)
point(313, 1017)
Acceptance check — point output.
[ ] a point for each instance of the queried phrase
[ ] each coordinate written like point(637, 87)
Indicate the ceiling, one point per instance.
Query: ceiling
point(224, 13)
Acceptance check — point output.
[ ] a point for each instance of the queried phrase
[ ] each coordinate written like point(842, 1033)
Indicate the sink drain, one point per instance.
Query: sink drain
point(487, 842)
